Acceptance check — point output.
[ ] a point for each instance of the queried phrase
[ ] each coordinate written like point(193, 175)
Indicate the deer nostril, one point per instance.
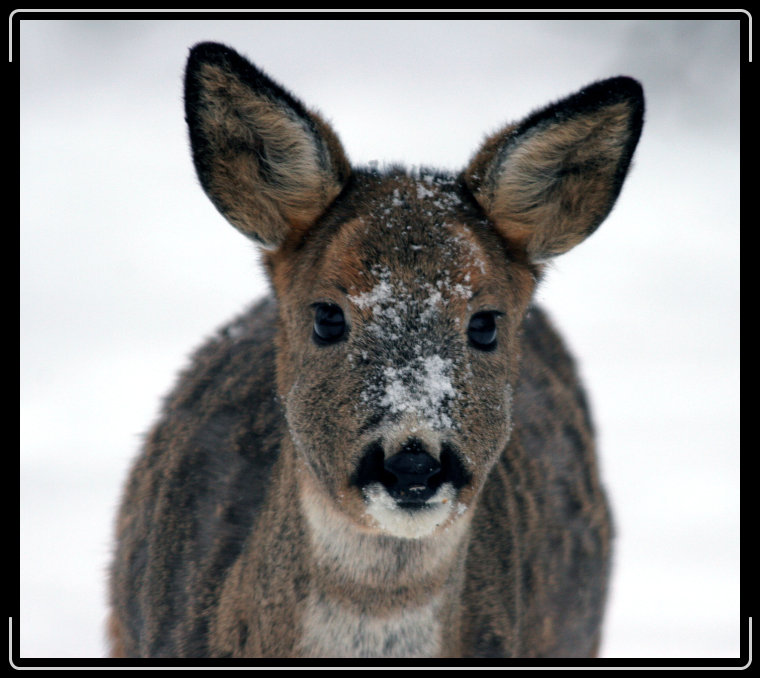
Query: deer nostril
point(412, 474)
point(414, 466)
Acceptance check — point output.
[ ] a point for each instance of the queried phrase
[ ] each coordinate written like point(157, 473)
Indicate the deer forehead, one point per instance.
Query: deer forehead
point(409, 244)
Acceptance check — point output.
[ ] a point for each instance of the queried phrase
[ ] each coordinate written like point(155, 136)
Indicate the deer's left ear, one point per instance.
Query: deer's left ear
point(550, 180)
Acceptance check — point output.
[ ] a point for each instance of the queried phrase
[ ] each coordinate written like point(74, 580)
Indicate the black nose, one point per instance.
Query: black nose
point(412, 474)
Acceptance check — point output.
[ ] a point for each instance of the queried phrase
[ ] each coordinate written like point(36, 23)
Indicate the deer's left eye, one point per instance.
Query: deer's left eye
point(329, 324)
point(482, 330)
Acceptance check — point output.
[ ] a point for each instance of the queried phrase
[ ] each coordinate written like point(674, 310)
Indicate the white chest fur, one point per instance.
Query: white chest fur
point(333, 630)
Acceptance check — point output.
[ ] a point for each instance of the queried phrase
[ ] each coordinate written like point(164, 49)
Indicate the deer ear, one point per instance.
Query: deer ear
point(550, 180)
point(269, 166)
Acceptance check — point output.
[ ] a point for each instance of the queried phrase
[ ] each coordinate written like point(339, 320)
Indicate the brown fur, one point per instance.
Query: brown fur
point(257, 521)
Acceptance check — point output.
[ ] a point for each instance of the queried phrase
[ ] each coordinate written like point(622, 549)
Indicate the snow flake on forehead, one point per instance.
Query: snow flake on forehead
point(380, 295)
point(435, 195)
point(461, 240)
point(392, 301)
point(420, 388)
point(436, 190)
point(388, 303)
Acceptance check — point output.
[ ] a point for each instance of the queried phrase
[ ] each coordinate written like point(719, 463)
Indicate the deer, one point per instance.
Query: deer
point(391, 454)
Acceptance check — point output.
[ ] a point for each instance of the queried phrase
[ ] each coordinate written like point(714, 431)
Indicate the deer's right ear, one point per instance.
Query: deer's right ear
point(269, 166)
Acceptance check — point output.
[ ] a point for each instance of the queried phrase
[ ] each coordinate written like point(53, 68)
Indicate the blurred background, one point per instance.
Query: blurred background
point(126, 267)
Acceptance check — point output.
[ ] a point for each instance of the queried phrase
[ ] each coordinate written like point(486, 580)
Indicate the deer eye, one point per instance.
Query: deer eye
point(329, 324)
point(482, 330)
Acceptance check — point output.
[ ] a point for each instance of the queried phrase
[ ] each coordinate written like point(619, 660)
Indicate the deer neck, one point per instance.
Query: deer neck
point(376, 595)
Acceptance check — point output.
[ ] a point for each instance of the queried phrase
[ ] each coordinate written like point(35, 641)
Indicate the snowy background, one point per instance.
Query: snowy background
point(126, 267)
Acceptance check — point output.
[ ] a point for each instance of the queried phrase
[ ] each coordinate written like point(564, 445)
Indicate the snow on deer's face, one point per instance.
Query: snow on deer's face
point(397, 356)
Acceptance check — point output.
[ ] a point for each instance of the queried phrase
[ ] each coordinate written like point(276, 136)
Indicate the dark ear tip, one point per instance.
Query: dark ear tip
point(214, 53)
point(217, 54)
point(623, 84)
point(620, 88)
point(209, 51)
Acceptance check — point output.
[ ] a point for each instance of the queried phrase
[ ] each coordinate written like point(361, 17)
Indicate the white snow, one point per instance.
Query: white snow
point(380, 296)
point(419, 389)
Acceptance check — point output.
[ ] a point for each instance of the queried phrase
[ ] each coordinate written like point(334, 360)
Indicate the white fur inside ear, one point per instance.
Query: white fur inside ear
point(411, 524)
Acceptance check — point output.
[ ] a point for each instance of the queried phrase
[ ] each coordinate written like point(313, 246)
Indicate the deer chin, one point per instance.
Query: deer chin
point(412, 519)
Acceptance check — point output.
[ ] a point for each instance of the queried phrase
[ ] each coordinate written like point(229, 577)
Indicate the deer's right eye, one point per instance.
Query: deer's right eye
point(329, 324)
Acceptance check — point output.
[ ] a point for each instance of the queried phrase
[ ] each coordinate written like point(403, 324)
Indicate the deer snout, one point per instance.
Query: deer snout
point(410, 471)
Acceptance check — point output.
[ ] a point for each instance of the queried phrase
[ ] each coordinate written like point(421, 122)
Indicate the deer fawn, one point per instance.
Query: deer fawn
point(392, 456)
